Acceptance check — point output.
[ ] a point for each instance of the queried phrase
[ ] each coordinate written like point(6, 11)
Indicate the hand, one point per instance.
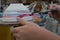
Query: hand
point(31, 31)
point(54, 7)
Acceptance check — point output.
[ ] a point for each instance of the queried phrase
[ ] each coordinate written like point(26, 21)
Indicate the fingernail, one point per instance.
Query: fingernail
point(14, 30)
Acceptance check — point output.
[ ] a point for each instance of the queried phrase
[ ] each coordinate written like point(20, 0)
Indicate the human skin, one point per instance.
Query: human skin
point(31, 31)
point(54, 7)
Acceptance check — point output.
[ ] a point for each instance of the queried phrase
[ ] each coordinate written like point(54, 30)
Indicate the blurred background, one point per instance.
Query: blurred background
point(42, 6)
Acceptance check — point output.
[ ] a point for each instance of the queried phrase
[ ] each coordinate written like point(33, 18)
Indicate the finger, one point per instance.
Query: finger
point(23, 22)
point(16, 36)
point(16, 32)
point(17, 39)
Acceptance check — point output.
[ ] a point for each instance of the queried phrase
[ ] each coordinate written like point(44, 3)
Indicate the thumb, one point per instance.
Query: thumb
point(22, 22)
